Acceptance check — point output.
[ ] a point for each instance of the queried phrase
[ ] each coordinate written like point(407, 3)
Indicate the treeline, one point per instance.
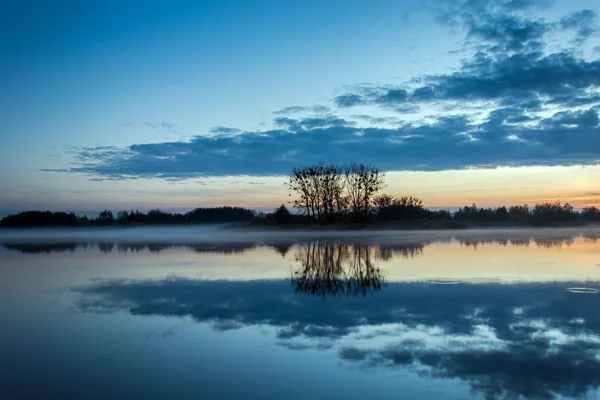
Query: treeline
point(41, 219)
point(330, 193)
point(133, 217)
point(539, 214)
point(410, 210)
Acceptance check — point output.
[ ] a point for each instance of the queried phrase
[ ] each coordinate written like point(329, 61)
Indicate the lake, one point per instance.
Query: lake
point(214, 313)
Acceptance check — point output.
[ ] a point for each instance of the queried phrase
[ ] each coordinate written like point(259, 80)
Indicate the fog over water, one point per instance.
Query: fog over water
point(222, 233)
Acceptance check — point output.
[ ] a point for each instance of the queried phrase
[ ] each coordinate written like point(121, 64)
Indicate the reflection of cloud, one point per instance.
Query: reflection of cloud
point(531, 340)
point(530, 369)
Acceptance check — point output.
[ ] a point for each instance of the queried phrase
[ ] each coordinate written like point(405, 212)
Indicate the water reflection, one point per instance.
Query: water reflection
point(506, 340)
point(349, 269)
point(124, 247)
point(331, 269)
point(283, 245)
point(539, 241)
point(534, 340)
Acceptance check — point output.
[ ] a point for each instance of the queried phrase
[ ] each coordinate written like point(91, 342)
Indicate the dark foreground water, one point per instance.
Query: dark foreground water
point(126, 315)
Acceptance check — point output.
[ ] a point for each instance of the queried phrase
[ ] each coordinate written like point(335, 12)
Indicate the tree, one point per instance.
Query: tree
point(546, 212)
point(362, 183)
point(106, 217)
point(502, 214)
point(519, 212)
point(299, 182)
point(398, 209)
point(123, 216)
point(282, 214)
point(591, 213)
point(383, 201)
point(325, 192)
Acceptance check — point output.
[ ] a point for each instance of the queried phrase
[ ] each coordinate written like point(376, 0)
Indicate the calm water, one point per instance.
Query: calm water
point(190, 314)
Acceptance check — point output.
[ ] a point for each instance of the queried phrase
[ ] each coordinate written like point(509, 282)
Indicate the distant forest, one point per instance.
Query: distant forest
point(129, 218)
point(328, 194)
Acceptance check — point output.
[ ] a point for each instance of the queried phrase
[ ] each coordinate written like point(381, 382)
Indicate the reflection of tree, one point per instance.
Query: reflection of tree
point(387, 252)
point(106, 247)
point(124, 247)
point(337, 269)
point(541, 241)
point(554, 242)
point(282, 248)
point(39, 248)
point(520, 242)
point(590, 238)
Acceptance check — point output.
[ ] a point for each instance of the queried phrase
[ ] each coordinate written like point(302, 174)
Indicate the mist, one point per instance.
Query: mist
point(226, 233)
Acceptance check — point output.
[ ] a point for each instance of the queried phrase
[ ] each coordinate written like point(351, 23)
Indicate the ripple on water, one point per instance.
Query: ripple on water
point(582, 290)
point(442, 281)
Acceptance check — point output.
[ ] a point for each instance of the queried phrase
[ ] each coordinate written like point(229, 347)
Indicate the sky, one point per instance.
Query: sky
point(180, 104)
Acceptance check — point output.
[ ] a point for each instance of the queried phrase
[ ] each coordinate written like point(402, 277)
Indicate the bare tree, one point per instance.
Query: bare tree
point(362, 183)
point(300, 183)
point(326, 191)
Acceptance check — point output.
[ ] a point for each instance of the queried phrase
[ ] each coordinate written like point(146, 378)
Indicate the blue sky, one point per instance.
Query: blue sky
point(181, 104)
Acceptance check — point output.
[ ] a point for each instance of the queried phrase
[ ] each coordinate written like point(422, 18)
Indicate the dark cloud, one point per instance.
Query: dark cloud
point(505, 33)
point(558, 78)
point(509, 66)
point(505, 90)
point(583, 22)
point(348, 100)
point(393, 96)
point(437, 143)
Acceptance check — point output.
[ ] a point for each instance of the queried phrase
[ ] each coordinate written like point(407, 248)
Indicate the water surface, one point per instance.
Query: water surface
point(188, 314)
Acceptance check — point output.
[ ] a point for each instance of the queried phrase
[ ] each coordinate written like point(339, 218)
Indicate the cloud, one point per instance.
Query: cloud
point(310, 123)
point(222, 130)
point(517, 79)
point(54, 169)
point(348, 100)
point(167, 127)
point(582, 22)
point(511, 102)
point(317, 109)
point(505, 341)
point(508, 65)
point(376, 120)
point(433, 143)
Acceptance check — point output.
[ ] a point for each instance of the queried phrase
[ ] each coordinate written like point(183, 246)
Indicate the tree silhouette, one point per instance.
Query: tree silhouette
point(332, 269)
point(328, 192)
